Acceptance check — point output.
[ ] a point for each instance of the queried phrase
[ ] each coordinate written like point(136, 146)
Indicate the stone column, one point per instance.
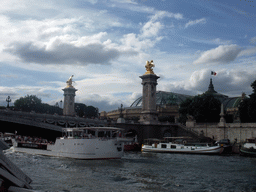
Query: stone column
point(69, 98)
point(222, 119)
point(149, 113)
point(69, 101)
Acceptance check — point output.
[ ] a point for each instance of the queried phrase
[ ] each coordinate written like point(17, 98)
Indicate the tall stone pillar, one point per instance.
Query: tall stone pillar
point(149, 113)
point(69, 98)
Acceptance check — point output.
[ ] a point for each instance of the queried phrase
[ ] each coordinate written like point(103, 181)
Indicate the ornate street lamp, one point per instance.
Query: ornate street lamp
point(8, 100)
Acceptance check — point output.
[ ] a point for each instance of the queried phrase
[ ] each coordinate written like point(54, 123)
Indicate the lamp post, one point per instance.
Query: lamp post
point(8, 100)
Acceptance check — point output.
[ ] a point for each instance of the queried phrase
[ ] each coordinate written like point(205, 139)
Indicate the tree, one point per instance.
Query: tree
point(33, 103)
point(85, 111)
point(91, 112)
point(204, 108)
point(247, 108)
point(28, 103)
point(80, 109)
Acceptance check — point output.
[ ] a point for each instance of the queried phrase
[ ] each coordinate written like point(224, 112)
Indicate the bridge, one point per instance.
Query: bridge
point(47, 121)
point(44, 124)
point(50, 126)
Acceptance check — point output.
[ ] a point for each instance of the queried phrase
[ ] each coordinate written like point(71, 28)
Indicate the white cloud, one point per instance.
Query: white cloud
point(151, 29)
point(247, 52)
point(228, 82)
point(67, 50)
point(125, 1)
point(153, 26)
point(221, 41)
point(219, 55)
point(194, 22)
point(161, 14)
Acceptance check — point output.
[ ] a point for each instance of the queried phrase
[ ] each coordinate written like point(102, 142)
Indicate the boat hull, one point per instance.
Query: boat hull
point(132, 147)
point(78, 149)
point(248, 152)
point(192, 150)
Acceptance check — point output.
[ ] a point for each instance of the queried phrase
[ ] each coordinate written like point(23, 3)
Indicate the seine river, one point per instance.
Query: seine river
point(140, 172)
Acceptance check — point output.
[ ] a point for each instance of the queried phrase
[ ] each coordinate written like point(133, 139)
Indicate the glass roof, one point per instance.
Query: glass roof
point(164, 98)
point(170, 98)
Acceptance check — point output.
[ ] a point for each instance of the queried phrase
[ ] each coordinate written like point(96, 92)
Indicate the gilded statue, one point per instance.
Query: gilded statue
point(149, 66)
point(70, 81)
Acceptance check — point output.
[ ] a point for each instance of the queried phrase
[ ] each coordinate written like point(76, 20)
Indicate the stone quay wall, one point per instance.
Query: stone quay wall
point(233, 131)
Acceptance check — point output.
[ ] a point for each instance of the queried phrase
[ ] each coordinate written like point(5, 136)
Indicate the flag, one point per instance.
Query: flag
point(213, 73)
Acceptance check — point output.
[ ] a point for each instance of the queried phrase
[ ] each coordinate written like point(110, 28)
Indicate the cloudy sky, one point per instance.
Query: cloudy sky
point(105, 44)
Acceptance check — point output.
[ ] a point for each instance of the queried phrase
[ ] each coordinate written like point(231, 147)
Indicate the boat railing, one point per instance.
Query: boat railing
point(34, 140)
point(94, 137)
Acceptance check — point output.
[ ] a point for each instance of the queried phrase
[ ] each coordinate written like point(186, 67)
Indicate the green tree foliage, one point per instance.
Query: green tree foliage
point(28, 103)
point(204, 108)
point(85, 111)
point(33, 103)
point(247, 108)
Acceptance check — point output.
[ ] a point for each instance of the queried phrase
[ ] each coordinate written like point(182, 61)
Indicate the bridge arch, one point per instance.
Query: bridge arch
point(168, 132)
point(131, 133)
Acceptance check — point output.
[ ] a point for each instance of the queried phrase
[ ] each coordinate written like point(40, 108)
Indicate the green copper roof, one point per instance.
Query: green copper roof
point(164, 98)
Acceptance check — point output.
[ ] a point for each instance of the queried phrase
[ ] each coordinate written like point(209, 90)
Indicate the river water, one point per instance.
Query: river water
point(138, 171)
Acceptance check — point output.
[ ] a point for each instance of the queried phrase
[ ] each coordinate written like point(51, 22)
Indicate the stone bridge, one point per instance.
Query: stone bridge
point(47, 121)
point(50, 126)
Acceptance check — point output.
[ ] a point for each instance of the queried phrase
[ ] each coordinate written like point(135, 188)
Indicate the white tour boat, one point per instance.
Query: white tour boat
point(77, 143)
point(156, 145)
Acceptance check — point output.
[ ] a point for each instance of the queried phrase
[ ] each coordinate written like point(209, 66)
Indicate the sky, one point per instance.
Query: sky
point(105, 44)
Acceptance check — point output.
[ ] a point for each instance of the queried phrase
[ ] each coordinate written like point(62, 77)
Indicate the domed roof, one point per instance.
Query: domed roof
point(164, 98)
point(232, 102)
point(228, 102)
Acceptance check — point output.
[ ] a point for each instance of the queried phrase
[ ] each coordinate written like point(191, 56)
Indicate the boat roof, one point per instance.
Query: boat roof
point(152, 139)
point(177, 137)
point(93, 128)
point(8, 134)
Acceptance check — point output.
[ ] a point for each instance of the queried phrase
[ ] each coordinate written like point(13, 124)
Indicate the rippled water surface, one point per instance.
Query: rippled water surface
point(140, 172)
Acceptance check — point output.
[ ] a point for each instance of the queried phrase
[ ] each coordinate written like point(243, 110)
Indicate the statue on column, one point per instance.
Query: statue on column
point(70, 81)
point(149, 66)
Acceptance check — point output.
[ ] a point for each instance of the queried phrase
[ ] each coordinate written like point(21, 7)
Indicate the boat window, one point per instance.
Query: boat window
point(163, 146)
point(108, 134)
point(70, 134)
point(114, 134)
point(101, 134)
point(64, 134)
point(173, 146)
point(78, 134)
point(91, 132)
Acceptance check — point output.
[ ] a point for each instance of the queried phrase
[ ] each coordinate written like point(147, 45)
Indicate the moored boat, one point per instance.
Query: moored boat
point(132, 144)
point(7, 138)
point(77, 143)
point(249, 148)
point(155, 145)
point(227, 147)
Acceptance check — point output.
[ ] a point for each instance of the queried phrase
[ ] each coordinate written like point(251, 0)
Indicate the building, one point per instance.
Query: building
point(167, 104)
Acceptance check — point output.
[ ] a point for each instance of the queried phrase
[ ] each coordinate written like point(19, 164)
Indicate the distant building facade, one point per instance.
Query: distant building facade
point(168, 103)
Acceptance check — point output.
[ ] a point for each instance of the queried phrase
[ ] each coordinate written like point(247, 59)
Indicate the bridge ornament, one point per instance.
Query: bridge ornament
point(149, 67)
point(69, 82)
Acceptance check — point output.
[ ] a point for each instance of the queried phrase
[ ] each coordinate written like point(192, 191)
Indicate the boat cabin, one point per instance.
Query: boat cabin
point(252, 140)
point(177, 140)
point(91, 132)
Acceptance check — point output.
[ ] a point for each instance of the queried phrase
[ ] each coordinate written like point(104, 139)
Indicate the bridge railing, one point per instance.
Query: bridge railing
point(57, 120)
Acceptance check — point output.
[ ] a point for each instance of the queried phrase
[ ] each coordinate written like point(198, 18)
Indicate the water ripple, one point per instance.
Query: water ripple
point(138, 171)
